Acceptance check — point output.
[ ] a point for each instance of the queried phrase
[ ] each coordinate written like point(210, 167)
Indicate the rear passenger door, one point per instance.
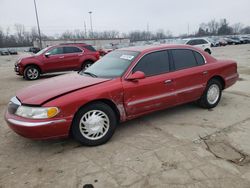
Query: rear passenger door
point(153, 92)
point(190, 74)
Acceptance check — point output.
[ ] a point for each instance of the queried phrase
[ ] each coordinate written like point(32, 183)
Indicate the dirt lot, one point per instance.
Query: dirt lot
point(181, 147)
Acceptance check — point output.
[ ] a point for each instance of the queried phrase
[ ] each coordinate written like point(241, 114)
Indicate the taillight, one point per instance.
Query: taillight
point(97, 55)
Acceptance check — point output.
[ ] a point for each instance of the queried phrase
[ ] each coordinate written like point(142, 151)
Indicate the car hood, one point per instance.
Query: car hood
point(25, 57)
point(49, 89)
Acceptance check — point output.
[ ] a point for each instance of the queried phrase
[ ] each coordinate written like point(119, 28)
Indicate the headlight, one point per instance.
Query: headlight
point(37, 112)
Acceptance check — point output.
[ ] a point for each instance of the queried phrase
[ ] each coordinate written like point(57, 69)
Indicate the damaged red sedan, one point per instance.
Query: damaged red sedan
point(123, 85)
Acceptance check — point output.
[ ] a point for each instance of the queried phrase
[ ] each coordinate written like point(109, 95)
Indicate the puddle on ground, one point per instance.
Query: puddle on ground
point(227, 152)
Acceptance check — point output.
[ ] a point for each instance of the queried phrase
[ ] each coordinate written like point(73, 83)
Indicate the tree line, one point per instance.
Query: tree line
point(221, 27)
point(22, 37)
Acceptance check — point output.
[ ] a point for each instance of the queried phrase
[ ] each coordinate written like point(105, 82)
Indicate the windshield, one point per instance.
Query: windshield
point(42, 51)
point(112, 65)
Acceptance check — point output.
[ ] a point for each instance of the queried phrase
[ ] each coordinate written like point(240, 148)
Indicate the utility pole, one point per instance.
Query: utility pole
point(90, 16)
point(147, 31)
point(38, 27)
point(188, 29)
point(85, 29)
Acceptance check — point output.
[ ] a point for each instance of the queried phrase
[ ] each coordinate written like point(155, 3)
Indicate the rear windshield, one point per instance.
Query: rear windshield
point(90, 48)
point(112, 65)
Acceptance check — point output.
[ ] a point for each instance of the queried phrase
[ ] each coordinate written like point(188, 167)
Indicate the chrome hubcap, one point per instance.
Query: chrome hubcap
point(213, 94)
point(32, 73)
point(94, 124)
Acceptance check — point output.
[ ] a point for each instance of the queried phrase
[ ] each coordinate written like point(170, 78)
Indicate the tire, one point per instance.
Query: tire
point(88, 116)
point(210, 99)
point(31, 73)
point(86, 64)
point(208, 51)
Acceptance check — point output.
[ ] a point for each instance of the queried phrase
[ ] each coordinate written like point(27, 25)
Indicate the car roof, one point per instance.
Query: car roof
point(148, 48)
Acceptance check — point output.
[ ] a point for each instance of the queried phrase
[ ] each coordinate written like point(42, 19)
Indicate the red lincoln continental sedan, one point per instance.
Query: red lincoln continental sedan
point(123, 85)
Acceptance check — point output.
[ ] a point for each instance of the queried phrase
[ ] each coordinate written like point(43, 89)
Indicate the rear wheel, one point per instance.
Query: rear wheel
point(94, 124)
point(208, 51)
point(86, 64)
point(211, 96)
point(31, 73)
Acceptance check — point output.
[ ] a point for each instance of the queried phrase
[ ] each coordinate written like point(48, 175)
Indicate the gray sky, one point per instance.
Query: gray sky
point(57, 16)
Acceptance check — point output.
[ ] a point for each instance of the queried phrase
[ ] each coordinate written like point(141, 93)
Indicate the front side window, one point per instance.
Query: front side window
point(69, 49)
point(192, 42)
point(154, 63)
point(183, 58)
point(56, 51)
point(204, 41)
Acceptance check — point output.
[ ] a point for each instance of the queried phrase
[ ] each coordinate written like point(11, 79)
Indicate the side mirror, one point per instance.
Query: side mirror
point(47, 54)
point(136, 76)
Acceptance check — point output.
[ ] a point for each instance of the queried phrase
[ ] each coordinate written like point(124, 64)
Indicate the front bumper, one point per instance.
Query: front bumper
point(18, 69)
point(39, 129)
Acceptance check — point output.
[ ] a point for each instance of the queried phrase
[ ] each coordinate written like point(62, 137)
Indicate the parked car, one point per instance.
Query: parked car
point(63, 57)
point(124, 84)
point(222, 42)
point(4, 52)
point(231, 41)
point(34, 50)
point(246, 39)
point(103, 52)
point(202, 43)
point(238, 39)
point(12, 52)
point(214, 42)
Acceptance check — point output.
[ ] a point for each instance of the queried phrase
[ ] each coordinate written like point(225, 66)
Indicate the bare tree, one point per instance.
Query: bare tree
point(237, 27)
point(20, 30)
point(213, 27)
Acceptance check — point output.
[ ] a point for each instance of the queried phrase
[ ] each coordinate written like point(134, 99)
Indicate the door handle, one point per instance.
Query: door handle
point(205, 72)
point(61, 57)
point(168, 81)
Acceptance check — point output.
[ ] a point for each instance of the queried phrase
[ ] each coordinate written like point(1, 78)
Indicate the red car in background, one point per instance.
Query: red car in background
point(124, 84)
point(63, 57)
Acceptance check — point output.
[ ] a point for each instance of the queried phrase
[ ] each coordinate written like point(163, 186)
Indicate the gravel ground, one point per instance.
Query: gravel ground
point(180, 147)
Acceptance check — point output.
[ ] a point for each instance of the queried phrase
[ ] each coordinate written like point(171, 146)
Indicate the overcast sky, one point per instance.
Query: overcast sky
point(57, 16)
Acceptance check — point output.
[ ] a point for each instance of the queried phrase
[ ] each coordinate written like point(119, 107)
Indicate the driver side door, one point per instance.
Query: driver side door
point(155, 91)
point(54, 61)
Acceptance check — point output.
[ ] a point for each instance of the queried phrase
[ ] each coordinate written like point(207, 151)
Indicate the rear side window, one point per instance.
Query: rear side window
point(90, 48)
point(201, 41)
point(199, 58)
point(153, 64)
point(69, 49)
point(183, 59)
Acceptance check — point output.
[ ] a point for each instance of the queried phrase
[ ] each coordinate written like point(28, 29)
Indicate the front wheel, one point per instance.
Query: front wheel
point(211, 96)
point(31, 73)
point(94, 124)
